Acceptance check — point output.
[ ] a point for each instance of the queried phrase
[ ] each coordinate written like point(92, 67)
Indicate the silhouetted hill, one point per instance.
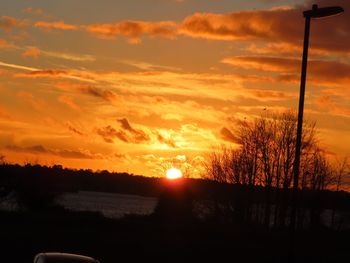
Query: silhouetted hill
point(172, 233)
point(57, 179)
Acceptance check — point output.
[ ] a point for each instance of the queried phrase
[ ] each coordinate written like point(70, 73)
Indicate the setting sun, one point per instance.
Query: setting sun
point(104, 89)
point(173, 173)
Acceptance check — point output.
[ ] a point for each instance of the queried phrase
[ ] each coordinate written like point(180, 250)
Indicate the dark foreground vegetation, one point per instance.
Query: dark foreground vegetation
point(234, 226)
point(145, 239)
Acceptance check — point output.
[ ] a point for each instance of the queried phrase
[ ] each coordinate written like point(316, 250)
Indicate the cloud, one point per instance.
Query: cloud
point(108, 134)
point(329, 104)
point(148, 66)
point(138, 136)
point(61, 25)
point(73, 129)
point(191, 165)
point(319, 71)
point(39, 149)
point(125, 124)
point(30, 149)
point(15, 66)
point(195, 87)
point(72, 57)
point(133, 30)
point(35, 52)
point(33, 72)
point(122, 156)
point(31, 52)
point(282, 48)
point(73, 154)
point(270, 95)
point(168, 141)
point(126, 134)
point(35, 102)
point(140, 88)
point(69, 102)
point(282, 25)
point(48, 73)
point(5, 45)
point(279, 26)
point(7, 23)
point(245, 25)
point(276, 64)
point(4, 114)
point(227, 135)
point(106, 95)
point(35, 11)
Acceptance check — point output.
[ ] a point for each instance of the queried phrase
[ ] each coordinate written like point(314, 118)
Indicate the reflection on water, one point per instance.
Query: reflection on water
point(113, 205)
point(109, 204)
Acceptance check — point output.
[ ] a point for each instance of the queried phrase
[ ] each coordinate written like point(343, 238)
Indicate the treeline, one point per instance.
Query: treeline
point(265, 158)
point(235, 190)
point(36, 187)
point(59, 179)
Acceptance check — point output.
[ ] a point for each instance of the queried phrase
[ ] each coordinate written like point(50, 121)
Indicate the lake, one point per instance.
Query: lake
point(111, 205)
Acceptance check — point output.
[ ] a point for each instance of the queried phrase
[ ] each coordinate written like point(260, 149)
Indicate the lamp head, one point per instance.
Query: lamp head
point(316, 12)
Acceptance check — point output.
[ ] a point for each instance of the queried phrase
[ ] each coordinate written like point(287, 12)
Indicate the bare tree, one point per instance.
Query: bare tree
point(266, 157)
point(341, 170)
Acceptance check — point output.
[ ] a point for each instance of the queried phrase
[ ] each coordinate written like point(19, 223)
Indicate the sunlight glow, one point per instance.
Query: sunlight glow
point(173, 173)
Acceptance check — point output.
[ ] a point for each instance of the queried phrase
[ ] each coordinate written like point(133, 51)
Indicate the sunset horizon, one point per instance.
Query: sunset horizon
point(144, 86)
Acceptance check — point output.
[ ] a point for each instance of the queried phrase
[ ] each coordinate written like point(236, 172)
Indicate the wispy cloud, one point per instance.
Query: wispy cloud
point(126, 134)
point(69, 102)
point(276, 64)
point(33, 72)
point(228, 135)
point(4, 44)
point(67, 56)
point(148, 66)
point(36, 12)
point(46, 25)
point(73, 129)
point(35, 52)
point(277, 27)
point(65, 153)
point(37, 103)
point(7, 23)
point(137, 134)
point(133, 30)
point(4, 114)
point(108, 134)
point(15, 66)
point(329, 104)
point(189, 85)
point(320, 71)
point(32, 52)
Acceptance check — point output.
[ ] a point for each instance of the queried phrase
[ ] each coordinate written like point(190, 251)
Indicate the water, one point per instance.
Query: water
point(111, 205)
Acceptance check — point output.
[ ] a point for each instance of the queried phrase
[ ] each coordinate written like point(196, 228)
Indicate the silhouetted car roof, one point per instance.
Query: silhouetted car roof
point(54, 257)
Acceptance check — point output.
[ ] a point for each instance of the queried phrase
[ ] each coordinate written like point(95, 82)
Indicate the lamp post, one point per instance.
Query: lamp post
point(315, 12)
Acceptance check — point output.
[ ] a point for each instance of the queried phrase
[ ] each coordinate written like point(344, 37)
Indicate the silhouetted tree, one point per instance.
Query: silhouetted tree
point(341, 170)
point(265, 157)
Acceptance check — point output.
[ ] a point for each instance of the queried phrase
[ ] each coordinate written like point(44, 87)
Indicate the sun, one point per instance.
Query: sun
point(173, 173)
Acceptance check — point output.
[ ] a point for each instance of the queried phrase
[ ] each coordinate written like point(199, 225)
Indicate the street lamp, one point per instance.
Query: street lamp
point(315, 12)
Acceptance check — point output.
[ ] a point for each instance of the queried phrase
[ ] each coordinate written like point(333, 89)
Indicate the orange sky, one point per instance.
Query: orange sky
point(141, 85)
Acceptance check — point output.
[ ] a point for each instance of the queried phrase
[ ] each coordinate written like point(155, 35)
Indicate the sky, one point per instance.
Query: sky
point(139, 86)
